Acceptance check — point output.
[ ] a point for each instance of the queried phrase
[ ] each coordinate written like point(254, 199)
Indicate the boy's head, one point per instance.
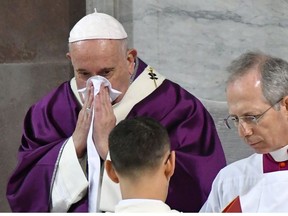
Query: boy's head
point(139, 147)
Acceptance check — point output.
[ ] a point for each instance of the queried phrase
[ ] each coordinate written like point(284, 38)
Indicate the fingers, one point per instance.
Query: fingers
point(85, 115)
point(83, 122)
point(102, 100)
point(88, 104)
point(104, 121)
point(89, 96)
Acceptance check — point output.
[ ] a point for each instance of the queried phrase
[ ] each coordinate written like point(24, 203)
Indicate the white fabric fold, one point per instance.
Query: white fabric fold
point(269, 195)
point(94, 165)
point(69, 174)
point(94, 168)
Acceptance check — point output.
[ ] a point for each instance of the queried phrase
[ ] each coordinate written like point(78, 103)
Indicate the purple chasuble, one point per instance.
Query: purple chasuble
point(193, 136)
point(51, 121)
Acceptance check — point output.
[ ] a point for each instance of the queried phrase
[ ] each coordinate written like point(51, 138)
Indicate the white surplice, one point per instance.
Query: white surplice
point(245, 178)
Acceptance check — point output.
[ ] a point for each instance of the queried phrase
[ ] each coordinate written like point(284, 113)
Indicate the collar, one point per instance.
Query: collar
point(75, 90)
point(280, 154)
point(276, 160)
point(141, 206)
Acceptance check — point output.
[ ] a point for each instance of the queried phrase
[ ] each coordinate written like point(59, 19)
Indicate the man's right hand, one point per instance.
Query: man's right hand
point(83, 123)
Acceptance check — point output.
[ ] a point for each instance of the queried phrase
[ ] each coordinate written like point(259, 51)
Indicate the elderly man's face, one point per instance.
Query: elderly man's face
point(244, 97)
point(105, 58)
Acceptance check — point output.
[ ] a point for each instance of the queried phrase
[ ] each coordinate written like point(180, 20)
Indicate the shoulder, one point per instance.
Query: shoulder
point(55, 103)
point(238, 177)
point(177, 93)
point(251, 165)
point(60, 91)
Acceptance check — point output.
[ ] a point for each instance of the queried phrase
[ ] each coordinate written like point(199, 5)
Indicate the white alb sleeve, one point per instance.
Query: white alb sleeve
point(70, 183)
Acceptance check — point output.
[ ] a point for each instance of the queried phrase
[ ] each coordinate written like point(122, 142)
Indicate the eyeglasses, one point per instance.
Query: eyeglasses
point(232, 121)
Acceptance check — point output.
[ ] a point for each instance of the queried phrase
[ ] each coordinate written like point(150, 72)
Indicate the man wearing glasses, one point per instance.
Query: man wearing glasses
point(257, 96)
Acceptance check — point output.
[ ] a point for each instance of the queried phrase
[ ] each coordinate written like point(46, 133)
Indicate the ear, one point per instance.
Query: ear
point(111, 171)
point(285, 103)
point(68, 56)
point(131, 56)
point(170, 166)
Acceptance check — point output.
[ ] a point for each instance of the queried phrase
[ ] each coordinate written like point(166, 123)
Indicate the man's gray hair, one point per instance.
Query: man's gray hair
point(273, 72)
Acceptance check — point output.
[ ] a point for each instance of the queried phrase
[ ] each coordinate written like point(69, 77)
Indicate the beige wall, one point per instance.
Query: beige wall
point(33, 44)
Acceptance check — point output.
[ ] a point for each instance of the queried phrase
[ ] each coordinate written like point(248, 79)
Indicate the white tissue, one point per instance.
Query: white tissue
point(97, 81)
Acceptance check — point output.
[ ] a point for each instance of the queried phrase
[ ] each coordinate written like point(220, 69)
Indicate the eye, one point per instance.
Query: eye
point(83, 74)
point(250, 118)
point(107, 72)
point(234, 119)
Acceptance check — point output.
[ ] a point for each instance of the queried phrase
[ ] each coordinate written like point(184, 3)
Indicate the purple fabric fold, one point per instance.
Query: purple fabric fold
point(51, 121)
point(47, 125)
point(193, 135)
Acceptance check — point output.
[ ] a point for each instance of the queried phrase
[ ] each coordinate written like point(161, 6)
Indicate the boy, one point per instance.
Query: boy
point(142, 163)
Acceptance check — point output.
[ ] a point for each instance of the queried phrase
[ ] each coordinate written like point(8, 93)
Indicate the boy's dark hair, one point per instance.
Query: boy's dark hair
point(136, 144)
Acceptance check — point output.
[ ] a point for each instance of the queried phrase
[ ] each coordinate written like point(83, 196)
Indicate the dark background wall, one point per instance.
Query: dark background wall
point(33, 44)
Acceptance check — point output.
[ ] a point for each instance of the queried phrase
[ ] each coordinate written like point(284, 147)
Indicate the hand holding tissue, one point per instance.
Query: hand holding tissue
point(93, 148)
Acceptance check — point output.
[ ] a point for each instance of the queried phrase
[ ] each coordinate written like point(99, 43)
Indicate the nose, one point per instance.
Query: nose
point(244, 129)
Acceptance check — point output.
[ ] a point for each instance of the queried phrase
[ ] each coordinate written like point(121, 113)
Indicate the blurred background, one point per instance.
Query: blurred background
point(189, 41)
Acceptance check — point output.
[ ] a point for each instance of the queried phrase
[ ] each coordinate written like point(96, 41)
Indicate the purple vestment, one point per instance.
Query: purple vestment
point(51, 121)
